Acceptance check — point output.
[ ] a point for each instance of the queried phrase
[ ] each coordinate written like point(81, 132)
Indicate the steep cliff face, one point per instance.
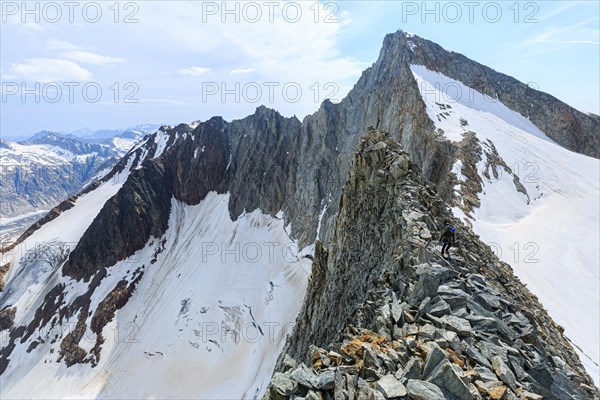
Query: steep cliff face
point(385, 97)
point(386, 316)
point(263, 156)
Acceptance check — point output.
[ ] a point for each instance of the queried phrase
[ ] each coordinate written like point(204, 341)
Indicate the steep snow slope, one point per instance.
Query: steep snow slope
point(28, 275)
point(550, 235)
point(207, 319)
point(11, 228)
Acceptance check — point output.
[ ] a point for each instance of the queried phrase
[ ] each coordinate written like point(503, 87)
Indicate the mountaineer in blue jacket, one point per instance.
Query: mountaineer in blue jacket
point(447, 238)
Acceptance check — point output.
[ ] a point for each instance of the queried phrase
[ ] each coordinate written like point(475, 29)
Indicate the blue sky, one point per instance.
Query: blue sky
point(113, 65)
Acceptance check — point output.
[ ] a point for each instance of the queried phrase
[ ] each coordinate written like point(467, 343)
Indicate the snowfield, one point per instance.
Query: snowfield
point(207, 320)
point(37, 154)
point(26, 286)
point(123, 145)
point(553, 241)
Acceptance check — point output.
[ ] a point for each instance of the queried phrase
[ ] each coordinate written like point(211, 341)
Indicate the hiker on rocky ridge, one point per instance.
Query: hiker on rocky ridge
point(447, 238)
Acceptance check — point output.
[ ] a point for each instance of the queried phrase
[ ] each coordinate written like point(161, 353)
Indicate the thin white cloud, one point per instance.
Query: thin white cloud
point(87, 57)
point(241, 71)
point(556, 35)
point(194, 71)
point(559, 10)
point(572, 42)
point(56, 44)
point(46, 70)
point(30, 28)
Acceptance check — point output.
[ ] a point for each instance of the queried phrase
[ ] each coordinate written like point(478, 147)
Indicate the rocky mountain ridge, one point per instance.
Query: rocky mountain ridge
point(386, 317)
point(308, 160)
point(297, 171)
point(70, 143)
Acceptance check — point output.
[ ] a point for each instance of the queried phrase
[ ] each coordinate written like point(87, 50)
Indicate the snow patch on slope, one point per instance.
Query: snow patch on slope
point(438, 89)
point(19, 155)
point(26, 286)
point(552, 243)
point(207, 320)
point(123, 145)
point(161, 140)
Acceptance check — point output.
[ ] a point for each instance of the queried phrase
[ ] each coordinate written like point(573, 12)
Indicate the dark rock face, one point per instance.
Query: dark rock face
point(139, 210)
point(263, 155)
point(199, 163)
point(384, 313)
point(7, 317)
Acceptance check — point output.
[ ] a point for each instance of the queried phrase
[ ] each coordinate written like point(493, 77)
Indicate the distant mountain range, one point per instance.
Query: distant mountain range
point(87, 133)
point(48, 167)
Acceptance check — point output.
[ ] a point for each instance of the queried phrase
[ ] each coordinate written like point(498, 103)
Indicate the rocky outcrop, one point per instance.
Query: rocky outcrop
point(3, 270)
point(386, 317)
point(7, 317)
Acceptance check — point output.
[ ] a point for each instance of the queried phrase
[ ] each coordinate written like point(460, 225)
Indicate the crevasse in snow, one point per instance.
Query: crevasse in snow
point(216, 295)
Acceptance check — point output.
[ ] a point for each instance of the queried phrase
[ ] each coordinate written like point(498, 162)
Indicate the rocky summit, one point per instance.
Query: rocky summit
point(385, 317)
